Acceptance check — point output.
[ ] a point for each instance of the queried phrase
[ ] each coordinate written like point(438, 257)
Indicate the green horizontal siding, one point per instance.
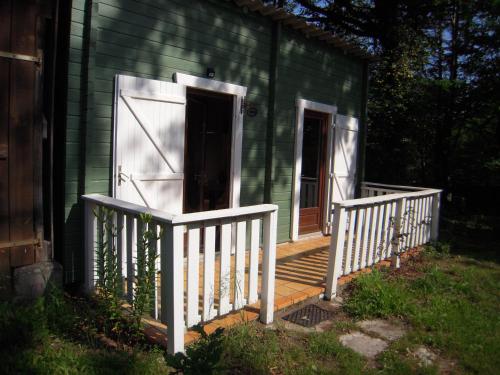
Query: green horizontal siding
point(152, 39)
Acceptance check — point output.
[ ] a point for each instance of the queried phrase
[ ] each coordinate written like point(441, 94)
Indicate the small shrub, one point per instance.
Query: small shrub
point(251, 350)
point(202, 357)
point(374, 296)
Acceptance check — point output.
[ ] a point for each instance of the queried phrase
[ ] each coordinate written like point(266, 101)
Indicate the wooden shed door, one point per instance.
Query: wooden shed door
point(20, 132)
point(149, 142)
point(312, 180)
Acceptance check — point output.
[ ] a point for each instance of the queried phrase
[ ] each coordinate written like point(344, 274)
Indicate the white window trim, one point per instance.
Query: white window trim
point(330, 110)
point(239, 93)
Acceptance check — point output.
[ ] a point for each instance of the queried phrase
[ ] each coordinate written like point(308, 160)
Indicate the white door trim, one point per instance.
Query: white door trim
point(239, 93)
point(331, 110)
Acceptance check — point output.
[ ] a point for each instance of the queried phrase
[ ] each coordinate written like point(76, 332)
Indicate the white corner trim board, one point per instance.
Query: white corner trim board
point(209, 84)
point(331, 110)
point(239, 93)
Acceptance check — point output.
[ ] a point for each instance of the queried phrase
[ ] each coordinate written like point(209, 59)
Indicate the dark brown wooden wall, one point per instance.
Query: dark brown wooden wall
point(20, 132)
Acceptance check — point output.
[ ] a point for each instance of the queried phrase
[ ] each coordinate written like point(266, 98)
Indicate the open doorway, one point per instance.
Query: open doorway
point(313, 171)
point(208, 141)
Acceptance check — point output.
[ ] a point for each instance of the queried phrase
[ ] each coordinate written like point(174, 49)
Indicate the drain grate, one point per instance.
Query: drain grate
point(308, 316)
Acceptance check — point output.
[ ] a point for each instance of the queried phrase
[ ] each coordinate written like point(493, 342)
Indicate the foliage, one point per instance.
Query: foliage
point(375, 296)
point(147, 254)
point(202, 357)
point(54, 335)
point(434, 91)
point(109, 281)
point(452, 306)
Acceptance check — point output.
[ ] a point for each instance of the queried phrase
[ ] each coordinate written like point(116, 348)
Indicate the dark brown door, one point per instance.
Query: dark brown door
point(312, 179)
point(26, 28)
point(208, 151)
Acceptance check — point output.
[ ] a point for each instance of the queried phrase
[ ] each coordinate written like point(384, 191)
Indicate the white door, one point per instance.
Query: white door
point(345, 152)
point(149, 142)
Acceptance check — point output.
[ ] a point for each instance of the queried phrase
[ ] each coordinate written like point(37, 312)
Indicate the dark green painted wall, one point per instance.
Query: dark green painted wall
point(154, 39)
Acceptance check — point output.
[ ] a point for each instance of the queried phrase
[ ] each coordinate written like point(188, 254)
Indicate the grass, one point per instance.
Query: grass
point(54, 335)
point(449, 301)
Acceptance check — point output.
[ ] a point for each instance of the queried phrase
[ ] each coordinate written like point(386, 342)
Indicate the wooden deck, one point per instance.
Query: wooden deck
point(300, 274)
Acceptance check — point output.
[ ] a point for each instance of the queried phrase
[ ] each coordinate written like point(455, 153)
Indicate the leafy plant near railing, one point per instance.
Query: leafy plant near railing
point(147, 254)
point(202, 357)
point(109, 282)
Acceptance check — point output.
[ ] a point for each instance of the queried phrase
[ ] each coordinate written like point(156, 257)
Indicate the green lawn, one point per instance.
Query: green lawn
point(450, 302)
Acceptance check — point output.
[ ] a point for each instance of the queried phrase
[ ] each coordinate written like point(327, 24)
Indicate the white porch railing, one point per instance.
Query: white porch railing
point(221, 293)
point(386, 222)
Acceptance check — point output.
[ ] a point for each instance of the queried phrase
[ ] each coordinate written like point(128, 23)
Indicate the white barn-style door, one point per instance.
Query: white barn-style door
point(149, 131)
point(342, 183)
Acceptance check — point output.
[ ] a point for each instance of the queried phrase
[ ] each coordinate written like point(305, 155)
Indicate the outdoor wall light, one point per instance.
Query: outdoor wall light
point(210, 73)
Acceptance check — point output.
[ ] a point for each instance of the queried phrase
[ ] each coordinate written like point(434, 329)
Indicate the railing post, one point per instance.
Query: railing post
point(89, 244)
point(336, 251)
point(172, 286)
point(396, 238)
point(436, 205)
point(268, 267)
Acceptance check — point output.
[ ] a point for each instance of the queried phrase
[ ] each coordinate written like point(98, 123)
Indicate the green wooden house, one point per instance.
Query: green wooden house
point(183, 106)
point(199, 105)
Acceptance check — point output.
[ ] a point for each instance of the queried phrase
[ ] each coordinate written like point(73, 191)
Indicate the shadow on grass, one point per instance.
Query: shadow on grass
point(475, 236)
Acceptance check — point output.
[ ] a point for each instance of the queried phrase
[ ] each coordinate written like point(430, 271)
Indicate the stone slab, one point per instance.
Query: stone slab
point(387, 330)
point(363, 344)
point(31, 281)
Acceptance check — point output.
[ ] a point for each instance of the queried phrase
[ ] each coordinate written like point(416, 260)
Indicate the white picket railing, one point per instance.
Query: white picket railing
point(388, 221)
point(206, 233)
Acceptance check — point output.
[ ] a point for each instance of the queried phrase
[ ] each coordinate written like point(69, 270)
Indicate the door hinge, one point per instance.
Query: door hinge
point(34, 242)
point(18, 56)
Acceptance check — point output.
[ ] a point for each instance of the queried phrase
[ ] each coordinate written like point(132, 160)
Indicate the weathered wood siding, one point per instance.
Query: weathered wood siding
point(154, 39)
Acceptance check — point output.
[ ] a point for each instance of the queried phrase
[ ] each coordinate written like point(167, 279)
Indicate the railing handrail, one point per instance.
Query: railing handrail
point(166, 217)
point(385, 198)
point(232, 223)
point(410, 188)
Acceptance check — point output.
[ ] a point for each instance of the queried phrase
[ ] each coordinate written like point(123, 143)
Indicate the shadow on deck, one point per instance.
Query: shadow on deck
point(301, 269)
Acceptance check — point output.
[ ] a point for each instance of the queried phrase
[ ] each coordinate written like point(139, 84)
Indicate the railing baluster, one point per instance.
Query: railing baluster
point(350, 239)
point(366, 235)
point(225, 268)
point(152, 252)
point(120, 234)
point(131, 238)
point(413, 224)
point(239, 277)
point(209, 274)
point(379, 245)
point(172, 286)
point(428, 219)
point(390, 227)
point(386, 230)
point(396, 238)
point(420, 221)
point(436, 203)
point(90, 239)
point(253, 272)
point(336, 252)
point(193, 275)
point(359, 231)
point(268, 266)
point(373, 230)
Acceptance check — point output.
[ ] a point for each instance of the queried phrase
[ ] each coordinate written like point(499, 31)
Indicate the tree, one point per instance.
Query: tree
point(434, 94)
